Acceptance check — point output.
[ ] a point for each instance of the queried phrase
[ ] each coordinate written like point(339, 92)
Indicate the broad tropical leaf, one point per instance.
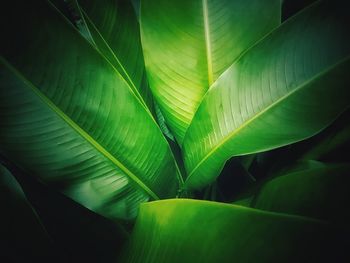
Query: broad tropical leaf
point(116, 33)
point(207, 232)
point(70, 119)
point(319, 192)
point(286, 88)
point(22, 236)
point(188, 44)
point(118, 42)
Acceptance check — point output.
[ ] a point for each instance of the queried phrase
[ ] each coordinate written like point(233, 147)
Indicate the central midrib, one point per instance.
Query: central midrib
point(125, 74)
point(207, 42)
point(128, 83)
point(250, 120)
point(78, 129)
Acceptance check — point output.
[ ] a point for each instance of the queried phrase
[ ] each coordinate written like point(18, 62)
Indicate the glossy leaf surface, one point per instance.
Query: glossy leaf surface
point(200, 231)
point(65, 117)
point(188, 44)
point(116, 33)
point(286, 88)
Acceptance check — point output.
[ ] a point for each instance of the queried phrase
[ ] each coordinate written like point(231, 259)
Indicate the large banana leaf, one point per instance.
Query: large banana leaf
point(118, 42)
point(22, 235)
point(66, 116)
point(115, 31)
point(286, 88)
point(207, 232)
point(188, 44)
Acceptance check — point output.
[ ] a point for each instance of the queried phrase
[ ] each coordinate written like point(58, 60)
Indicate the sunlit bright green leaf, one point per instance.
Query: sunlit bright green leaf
point(188, 44)
point(193, 231)
point(286, 88)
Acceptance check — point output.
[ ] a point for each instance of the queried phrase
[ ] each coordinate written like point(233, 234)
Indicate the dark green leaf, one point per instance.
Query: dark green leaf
point(77, 233)
point(22, 235)
point(318, 192)
point(116, 33)
point(69, 118)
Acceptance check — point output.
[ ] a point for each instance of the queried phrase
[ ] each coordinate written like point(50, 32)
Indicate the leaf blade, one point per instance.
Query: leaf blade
point(119, 41)
point(272, 99)
point(86, 159)
point(318, 192)
point(232, 234)
point(195, 44)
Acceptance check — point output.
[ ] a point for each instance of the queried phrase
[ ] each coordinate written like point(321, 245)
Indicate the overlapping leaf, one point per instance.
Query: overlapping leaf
point(318, 192)
point(286, 88)
point(200, 231)
point(115, 31)
point(188, 44)
point(77, 233)
point(69, 118)
point(22, 235)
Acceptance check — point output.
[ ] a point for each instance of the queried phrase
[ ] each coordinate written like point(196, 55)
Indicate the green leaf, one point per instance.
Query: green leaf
point(70, 119)
point(188, 44)
point(70, 9)
point(136, 4)
point(291, 7)
point(335, 143)
point(207, 232)
point(162, 123)
point(286, 88)
point(79, 234)
point(319, 192)
point(116, 33)
point(22, 235)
